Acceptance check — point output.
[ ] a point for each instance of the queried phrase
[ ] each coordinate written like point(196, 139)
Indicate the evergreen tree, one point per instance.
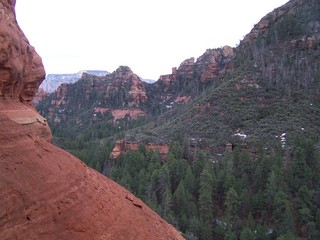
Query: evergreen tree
point(205, 205)
point(299, 171)
point(163, 181)
point(271, 189)
point(190, 181)
point(167, 207)
point(279, 206)
point(177, 169)
point(261, 172)
point(247, 234)
point(180, 200)
point(198, 163)
point(230, 235)
point(288, 224)
point(232, 204)
point(195, 226)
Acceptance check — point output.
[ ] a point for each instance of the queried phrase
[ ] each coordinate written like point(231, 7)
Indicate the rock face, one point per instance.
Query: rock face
point(49, 194)
point(123, 146)
point(46, 192)
point(21, 69)
point(192, 76)
point(41, 94)
point(21, 72)
point(124, 78)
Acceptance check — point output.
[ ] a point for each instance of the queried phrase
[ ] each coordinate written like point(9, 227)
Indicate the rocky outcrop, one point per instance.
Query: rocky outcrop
point(124, 79)
point(130, 113)
point(21, 72)
point(40, 95)
point(123, 146)
point(191, 76)
point(213, 63)
point(46, 192)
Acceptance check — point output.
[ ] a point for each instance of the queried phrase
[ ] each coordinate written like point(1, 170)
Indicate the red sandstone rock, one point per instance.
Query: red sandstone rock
point(124, 76)
point(137, 91)
point(132, 113)
point(49, 194)
point(21, 69)
point(123, 146)
point(207, 68)
point(41, 94)
point(46, 193)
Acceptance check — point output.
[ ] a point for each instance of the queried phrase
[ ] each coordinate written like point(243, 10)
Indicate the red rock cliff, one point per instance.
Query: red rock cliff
point(123, 146)
point(46, 192)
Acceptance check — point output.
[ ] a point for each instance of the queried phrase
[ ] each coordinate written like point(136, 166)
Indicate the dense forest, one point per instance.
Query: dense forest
point(237, 196)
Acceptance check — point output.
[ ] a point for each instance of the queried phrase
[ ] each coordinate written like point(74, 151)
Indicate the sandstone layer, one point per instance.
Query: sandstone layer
point(49, 194)
point(46, 193)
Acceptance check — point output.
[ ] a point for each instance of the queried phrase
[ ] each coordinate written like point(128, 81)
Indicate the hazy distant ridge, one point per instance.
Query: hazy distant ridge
point(52, 81)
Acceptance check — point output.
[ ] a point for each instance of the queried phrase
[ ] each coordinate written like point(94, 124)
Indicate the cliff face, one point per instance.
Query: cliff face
point(21, 72)
point(21, 69)
point(123, 146)
point(192, 77)
point(46, 192)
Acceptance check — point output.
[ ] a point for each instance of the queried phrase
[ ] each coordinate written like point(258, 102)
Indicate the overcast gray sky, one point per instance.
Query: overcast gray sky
point(149, 36)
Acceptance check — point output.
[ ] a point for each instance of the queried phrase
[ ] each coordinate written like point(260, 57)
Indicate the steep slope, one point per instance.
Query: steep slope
point(272, 90)
point(49, 194)
point(46, 192)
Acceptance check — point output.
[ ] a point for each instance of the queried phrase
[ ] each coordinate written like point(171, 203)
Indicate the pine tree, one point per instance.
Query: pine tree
point(230, 235)
point(232, 204)
point(190, 181)
point(167, 207)
point(206, 204)
point(194, 226)
point(288, 224)
point(247, 234)
point(299, 171)
point(180, 201)
point(279, 206)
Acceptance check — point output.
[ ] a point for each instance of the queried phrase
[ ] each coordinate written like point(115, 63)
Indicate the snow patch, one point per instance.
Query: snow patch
point(241, 135)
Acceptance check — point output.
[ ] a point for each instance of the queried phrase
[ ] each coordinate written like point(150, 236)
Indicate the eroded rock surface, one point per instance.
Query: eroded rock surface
point(21, 72)
point(49, 194)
